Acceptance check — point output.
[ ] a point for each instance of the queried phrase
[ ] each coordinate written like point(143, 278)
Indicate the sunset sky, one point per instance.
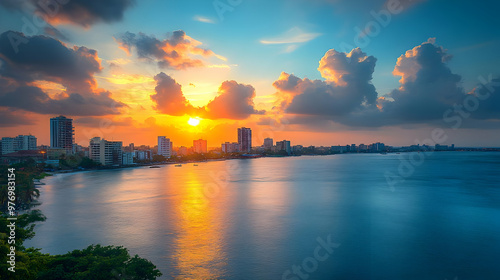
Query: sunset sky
point(317, 72)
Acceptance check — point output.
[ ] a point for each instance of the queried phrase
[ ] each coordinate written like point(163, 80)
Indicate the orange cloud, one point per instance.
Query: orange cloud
point(175, 52)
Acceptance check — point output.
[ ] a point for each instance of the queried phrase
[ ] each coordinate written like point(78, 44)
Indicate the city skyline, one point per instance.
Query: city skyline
point(317, 73)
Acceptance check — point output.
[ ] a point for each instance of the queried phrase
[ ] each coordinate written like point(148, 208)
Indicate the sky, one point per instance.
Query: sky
point(316, 72)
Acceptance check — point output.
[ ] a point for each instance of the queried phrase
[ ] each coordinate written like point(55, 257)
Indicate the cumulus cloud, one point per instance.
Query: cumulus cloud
point(489, 92)
point(347, 86)
point(428, 90)
point(175, 52)
point(169, 98)
point(427, 85)
point(234, 101)
point(78, 12)
point(41, 58)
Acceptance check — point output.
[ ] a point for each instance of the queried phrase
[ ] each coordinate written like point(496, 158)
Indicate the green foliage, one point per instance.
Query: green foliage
point(99, 262)
point(94, 262)
point(159, 158)
point(28, 261)
point(25, 190)
point(76, 161)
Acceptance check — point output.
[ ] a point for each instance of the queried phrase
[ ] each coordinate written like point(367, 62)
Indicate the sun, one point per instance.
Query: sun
point(194, 121)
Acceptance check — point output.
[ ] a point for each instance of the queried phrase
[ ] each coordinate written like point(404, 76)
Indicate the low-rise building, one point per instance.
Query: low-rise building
point(231, 147)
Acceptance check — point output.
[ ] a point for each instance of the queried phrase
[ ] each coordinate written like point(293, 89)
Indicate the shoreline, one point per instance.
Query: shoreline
point(224, 159)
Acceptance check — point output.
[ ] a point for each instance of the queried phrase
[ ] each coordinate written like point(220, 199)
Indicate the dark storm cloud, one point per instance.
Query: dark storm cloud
point(33, 99)
point(41, 58)
point(78, 12)
point(174, 52)
point(55, 33)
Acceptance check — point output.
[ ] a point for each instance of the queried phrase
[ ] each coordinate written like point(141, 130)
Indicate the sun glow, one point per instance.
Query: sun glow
point(194, 121)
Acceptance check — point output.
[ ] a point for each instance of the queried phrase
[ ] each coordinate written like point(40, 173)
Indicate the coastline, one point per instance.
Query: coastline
point(231, 158)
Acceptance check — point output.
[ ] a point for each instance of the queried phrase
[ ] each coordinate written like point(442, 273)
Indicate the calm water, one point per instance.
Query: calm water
point(255, 219)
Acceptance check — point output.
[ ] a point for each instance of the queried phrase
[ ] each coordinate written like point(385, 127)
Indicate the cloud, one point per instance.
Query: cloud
point(428, 89)
point(174, 52)
point(33, 99)
point(292, 38)
point(404, 4)
point(45, 58)
point(235, 101)
point(78, 12)
point(55, 33)
point(427, 85)
point(347, 86)
point(103, 121)
point(169, 98)
point(203, 19)
point(42, 59)
point(489, 95)
point(9, 118)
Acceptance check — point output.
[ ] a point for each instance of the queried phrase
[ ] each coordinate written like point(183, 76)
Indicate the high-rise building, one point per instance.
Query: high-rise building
point(200, 146)
point(105, 152)
point(164, 146)
point(19, 143)
point(268, 143)
point(245, 139)
point(62, 133)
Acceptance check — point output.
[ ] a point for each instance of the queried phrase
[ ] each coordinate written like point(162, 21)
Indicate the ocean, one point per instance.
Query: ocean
point(309, 217)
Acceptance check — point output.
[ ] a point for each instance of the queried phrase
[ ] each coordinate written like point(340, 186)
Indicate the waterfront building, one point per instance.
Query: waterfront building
point(338, 149)
point(231, 147)
point(62, 133)
point(142, 154)
point(182, 151)
point(127, 158)
point(200, 146)
point(297, 148)
point(268, 143)
point(284, 146)
point(105, 152)
point(18, 143)
point(245, 139)
point(378, 147)
point(165, 146)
